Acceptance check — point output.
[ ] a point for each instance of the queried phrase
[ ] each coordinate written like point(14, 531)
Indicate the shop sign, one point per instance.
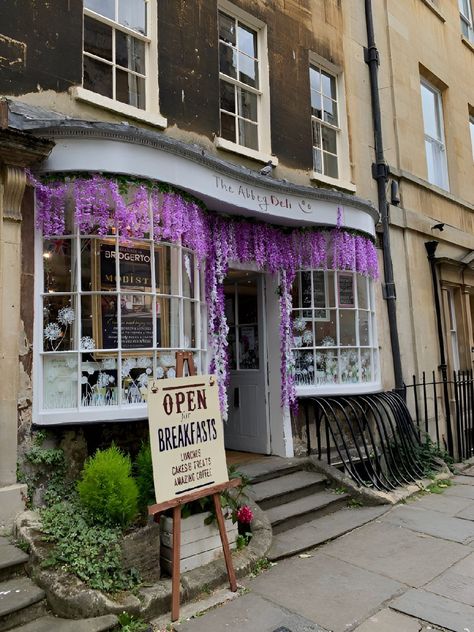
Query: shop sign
point(186, 436)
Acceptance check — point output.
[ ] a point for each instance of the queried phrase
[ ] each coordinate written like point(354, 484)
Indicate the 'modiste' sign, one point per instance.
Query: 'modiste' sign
point(186, 435)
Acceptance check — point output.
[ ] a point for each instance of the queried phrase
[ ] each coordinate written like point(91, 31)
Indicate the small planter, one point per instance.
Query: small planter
point(200, 543)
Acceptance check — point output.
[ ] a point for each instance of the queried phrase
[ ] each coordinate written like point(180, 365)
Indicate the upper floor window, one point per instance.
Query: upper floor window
point(325, 121)
point(435, 146)
point(120, 69)
point(467, 27)
point(243, 84)
point(471, 129)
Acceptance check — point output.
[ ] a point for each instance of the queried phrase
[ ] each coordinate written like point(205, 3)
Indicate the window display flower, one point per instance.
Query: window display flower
point(87, 343)
point(52, 332)
point(66, 316)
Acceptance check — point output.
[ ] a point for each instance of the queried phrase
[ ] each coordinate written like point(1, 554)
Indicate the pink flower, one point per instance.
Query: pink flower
point(244, 514)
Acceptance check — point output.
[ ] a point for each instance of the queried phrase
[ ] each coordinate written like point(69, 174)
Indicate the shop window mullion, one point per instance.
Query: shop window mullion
point(78, 267)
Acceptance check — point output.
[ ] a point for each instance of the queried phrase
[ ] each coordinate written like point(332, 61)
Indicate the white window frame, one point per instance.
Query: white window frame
point(372, 348)
point(440, 176)
point(467, 25)
point(343, 180)
point(263, 153)
point(151, 113)
point(122, 411)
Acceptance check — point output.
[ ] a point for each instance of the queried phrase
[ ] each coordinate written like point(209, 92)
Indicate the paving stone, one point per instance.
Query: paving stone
point(449, 505)
point(54, 624)
point(251, 613)
point(469, 471)
point(431, 522)
point(467, 514)
point(18, 593)
point(457, 582)
point(322, 530)
point(464, 480)
point(436, 609)
point(325, 590)
point(285, 484)
point(466, 491)
point(401, 554)
point(389, 621)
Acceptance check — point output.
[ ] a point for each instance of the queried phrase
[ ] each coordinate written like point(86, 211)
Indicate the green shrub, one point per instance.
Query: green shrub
point(89, 551)
point(144, 477)
point(107, 489)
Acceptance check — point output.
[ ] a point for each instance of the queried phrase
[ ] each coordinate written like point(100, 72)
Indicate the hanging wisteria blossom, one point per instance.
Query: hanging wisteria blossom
point(103, 207)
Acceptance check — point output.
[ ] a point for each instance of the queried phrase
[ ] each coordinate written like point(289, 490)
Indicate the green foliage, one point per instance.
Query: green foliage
point(353, 503)
point(438, 487)
point(107, 489)
point(340, 491)
point(243, 540)
point(89, 551)
point(428, 452)
point(261, 565)
point(129, 623)
point(144, 477)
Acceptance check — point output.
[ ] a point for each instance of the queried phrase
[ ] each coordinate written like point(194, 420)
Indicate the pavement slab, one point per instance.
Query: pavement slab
point(431, 522)
point(332, 593)
point(456, 583)
point(467, 514)
point(464, 480)
point(466, 491)
point(251, 613)
point(436, 609)
point(450, 505)
point(401, 554)
point(387, 620)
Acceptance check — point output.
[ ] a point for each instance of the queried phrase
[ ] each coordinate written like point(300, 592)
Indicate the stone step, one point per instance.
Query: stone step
point(316, 532)
point(54, 624)
point(289, 487)
point(272, 467)
point(12, 560)
point(297, 512)
point(21, 601)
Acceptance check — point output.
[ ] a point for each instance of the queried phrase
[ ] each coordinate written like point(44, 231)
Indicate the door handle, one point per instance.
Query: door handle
point(236, 397)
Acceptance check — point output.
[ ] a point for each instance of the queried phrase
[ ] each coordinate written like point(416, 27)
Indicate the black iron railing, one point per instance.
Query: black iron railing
point(429, 402)
point(372, 437)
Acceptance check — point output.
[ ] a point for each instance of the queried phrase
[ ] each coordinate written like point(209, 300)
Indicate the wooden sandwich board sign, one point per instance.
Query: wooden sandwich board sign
point(188, 455)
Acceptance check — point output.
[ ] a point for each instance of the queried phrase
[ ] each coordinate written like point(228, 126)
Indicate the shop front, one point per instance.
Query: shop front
point(146, 246)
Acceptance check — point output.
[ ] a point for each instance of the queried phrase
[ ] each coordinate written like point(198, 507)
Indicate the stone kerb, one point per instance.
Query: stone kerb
point(71, 598)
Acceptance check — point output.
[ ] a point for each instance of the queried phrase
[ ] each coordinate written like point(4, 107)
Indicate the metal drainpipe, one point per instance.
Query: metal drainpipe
point(443, 367)
point(380, 173)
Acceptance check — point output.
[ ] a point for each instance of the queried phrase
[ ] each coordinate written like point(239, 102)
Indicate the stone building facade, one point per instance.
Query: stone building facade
point(191, 101)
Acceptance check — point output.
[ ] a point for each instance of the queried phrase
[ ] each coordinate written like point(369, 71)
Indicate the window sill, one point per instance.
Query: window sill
point(431, 5)
point(335, 182)
point(260, 156)
point(119, 108)
point(338, 389)
point(467, 43)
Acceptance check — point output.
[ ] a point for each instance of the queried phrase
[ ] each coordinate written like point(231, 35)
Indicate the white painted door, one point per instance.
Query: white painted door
point(247, 425)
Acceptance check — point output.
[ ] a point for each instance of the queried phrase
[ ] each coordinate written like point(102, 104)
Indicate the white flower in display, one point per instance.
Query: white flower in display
point(109, 364)
point(143, 362)
point(84, 380)
point(142, 379)
point(307, 337)
point(299, 324)
point(71, 363)
point(187, 265)
point(148, 371)
point(52, 332)
point(160, 372)
point(66, 316)
point(104, 379)
point(171, 373)
point(87, 343)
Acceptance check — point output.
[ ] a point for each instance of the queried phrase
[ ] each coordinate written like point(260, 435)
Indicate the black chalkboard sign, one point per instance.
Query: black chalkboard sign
point(346, 289)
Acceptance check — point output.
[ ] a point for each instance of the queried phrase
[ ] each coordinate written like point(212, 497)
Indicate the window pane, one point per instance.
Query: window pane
point(166, 363)
point(247, 304)
point(320, 294)
point(136, 321)
point(188, 274)
point(304, 368)
point(99, 380)
point(328, 83)
point(58, 266)
point(326, 370)
point(248, 347)
point(134, 267)
point(97, 38)
point(163, 269)
point(227, 60)
point(60, 381)
point(132, 13)
point(189, 341)
point(167, 322)
point(135, 373)
point(130, 89)
point(347, 327)
point(315, 79)
point(97, 77)
point(362, 295)
point(228, 130)
point(227, 91)
point(99, 322)
point(303, 332)
point(232, 348)
point(430, 112)
point(227, 29)
point(248, 134)
point(330, 166)
point(247, 104)
point(349, 366)
point(316, 133)
point(326, 330)
point(247, 40)
point(330, 111)
point(103, 7)
point(329, 139)
point(317, 161)
point(248, 70)
point(316, 109)
point(59, 322)
point(129, 52)
point(364, 328)
point(367, 370)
